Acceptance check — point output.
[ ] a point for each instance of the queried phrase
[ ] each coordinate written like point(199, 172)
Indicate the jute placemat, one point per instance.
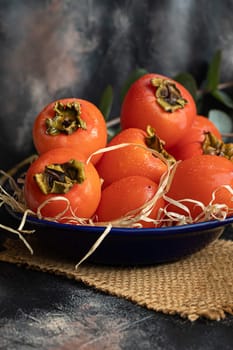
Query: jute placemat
point(198, 286)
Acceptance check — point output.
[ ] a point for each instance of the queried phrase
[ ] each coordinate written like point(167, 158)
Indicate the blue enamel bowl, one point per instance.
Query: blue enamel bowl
point(124, 246)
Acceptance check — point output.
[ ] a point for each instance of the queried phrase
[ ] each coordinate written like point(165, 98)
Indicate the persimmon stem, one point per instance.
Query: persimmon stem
point(225, 85)
point(227, 134)
point(221, 86)
point(113, 122)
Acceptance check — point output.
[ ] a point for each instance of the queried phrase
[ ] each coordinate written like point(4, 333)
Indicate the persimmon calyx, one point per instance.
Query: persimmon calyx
point(67, 119)
point(154, 142)
point(214, 146)
point(168, 95)
point(60, 178)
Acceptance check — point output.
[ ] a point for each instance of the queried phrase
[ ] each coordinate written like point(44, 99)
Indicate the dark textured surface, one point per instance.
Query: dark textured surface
point(52, 49)
point(41, 311)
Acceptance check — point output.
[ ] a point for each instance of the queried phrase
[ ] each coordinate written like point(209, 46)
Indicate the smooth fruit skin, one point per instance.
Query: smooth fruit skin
point(85, 141)
point(84, 198)
point(198, 177)
point(191, 143)
point(127, 194)
point(129, 160)
point(140, 109)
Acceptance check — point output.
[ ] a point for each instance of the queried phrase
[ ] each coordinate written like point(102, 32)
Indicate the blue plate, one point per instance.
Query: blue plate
point(124, 246)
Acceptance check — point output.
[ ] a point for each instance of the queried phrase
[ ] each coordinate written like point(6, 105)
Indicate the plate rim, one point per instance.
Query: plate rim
point(121, 231)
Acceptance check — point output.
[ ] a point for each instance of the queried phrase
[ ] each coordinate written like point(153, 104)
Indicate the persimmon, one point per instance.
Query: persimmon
point(62, 172)
point(203, 137)
point(127, 194)
point(197, 178)
point(70, 122)
point(133, 159)
point(161, 102)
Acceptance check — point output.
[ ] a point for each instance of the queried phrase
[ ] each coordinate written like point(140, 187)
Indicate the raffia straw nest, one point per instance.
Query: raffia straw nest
point(14, 198)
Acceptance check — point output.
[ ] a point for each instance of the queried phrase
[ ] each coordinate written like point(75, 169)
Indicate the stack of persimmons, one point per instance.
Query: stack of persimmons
point(80, 176)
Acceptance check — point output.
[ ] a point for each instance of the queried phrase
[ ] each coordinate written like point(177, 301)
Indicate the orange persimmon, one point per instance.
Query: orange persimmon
point(133, 159)
point(125, 195)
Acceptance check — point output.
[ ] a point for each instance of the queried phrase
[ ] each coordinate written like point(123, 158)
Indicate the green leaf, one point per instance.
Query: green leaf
point(223, 97)
point(222, 120)
point(138, 73)
point(199, 103)
point(213, 72)
point(188, 81)
point(106, 101)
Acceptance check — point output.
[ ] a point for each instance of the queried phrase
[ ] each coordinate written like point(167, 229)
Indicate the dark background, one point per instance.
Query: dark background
point(52, 49)
point(74, 48)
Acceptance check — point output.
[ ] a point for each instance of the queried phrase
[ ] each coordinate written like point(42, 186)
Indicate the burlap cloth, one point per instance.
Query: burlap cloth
point(198, 286)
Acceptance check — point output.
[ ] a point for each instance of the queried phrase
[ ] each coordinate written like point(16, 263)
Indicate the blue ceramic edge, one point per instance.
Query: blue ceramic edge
point(187, 228)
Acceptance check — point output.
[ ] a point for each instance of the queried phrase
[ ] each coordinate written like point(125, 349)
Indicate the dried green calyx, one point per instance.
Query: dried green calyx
point(154, 142)
point(214, 146)
point(67, 119)
point(168, 95)
point(60, 178)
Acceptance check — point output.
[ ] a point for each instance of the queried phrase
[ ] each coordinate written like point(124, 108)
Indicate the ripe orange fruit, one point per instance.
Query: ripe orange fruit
point(125, 195)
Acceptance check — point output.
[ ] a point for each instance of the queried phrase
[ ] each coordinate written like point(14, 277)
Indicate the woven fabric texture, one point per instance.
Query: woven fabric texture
point(198, 286)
